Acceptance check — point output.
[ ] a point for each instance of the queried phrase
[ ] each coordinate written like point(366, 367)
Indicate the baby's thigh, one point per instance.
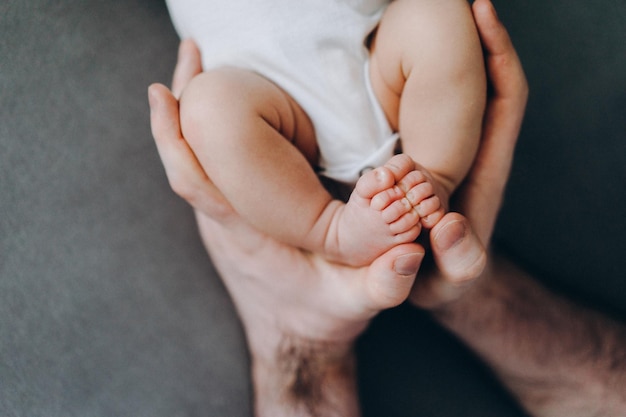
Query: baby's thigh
point(427, 39)
point(386, 76)
point(387, 55)
point(232, 102)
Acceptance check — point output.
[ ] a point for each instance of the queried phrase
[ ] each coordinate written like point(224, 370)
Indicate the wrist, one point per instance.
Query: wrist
point(305, 378)
point(557, 358)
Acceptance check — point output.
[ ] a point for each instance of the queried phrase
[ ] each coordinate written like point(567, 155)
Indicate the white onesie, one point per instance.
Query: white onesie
point(315, 51)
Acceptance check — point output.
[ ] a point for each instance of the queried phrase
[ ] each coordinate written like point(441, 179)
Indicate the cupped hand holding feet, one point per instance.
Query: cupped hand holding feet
point(296, 307)
point(294, 301)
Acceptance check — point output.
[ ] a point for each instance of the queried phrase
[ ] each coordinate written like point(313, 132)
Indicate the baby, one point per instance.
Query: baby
point(296, 89)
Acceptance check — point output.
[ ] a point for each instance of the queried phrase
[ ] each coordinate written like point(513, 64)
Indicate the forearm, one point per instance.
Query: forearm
point(557, 358)
point(305, 379)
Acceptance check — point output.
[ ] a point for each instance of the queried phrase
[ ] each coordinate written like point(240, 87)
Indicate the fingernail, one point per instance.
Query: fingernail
point(408, 264)
point(451, 235)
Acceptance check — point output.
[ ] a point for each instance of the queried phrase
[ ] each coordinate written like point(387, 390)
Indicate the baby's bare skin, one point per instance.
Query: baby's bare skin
point(388, 207)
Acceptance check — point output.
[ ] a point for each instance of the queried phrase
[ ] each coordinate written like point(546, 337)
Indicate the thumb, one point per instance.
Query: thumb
point(460, 259)
point(390, 277)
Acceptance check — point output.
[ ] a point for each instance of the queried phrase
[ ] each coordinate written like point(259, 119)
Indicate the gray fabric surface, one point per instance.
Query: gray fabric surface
point(109, 305)
point(564, 212)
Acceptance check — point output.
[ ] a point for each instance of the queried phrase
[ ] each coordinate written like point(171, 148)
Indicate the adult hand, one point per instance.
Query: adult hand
point(458, 243)
point(301, 313)
point(185, 175)
point(542, 347)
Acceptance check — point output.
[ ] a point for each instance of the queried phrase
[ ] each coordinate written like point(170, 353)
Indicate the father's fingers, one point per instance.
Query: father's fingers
point(390, 277)
point(187, 66)
point(503, 64)
point(506, 106)
point(185, 175)
point(460, 259)
point(481, 195)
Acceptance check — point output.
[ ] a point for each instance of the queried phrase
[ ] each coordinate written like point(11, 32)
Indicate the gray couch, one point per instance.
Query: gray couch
point(109, 305)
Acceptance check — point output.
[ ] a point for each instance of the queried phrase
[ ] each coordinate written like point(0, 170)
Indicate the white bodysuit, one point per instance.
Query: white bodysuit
point(315, 51)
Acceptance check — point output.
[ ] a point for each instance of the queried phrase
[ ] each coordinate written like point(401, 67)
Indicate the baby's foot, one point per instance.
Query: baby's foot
point(418, 189)
point(381, 213)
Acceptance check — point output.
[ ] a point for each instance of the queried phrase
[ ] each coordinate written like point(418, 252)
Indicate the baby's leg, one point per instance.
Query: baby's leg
point(257, 145)
point(428, 73)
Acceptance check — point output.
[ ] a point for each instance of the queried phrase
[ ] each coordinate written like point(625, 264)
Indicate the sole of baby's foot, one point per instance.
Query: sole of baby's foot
point(377, 217)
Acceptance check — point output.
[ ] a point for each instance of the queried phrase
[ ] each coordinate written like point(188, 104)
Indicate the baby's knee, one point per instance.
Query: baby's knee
point(213, 101)
point(206, 90)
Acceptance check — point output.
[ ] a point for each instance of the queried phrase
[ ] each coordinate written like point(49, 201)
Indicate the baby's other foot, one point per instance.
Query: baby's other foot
point(378, 215)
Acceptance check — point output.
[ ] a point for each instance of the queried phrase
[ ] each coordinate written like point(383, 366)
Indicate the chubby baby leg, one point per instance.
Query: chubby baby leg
point(427, 71)
point(257, 145)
